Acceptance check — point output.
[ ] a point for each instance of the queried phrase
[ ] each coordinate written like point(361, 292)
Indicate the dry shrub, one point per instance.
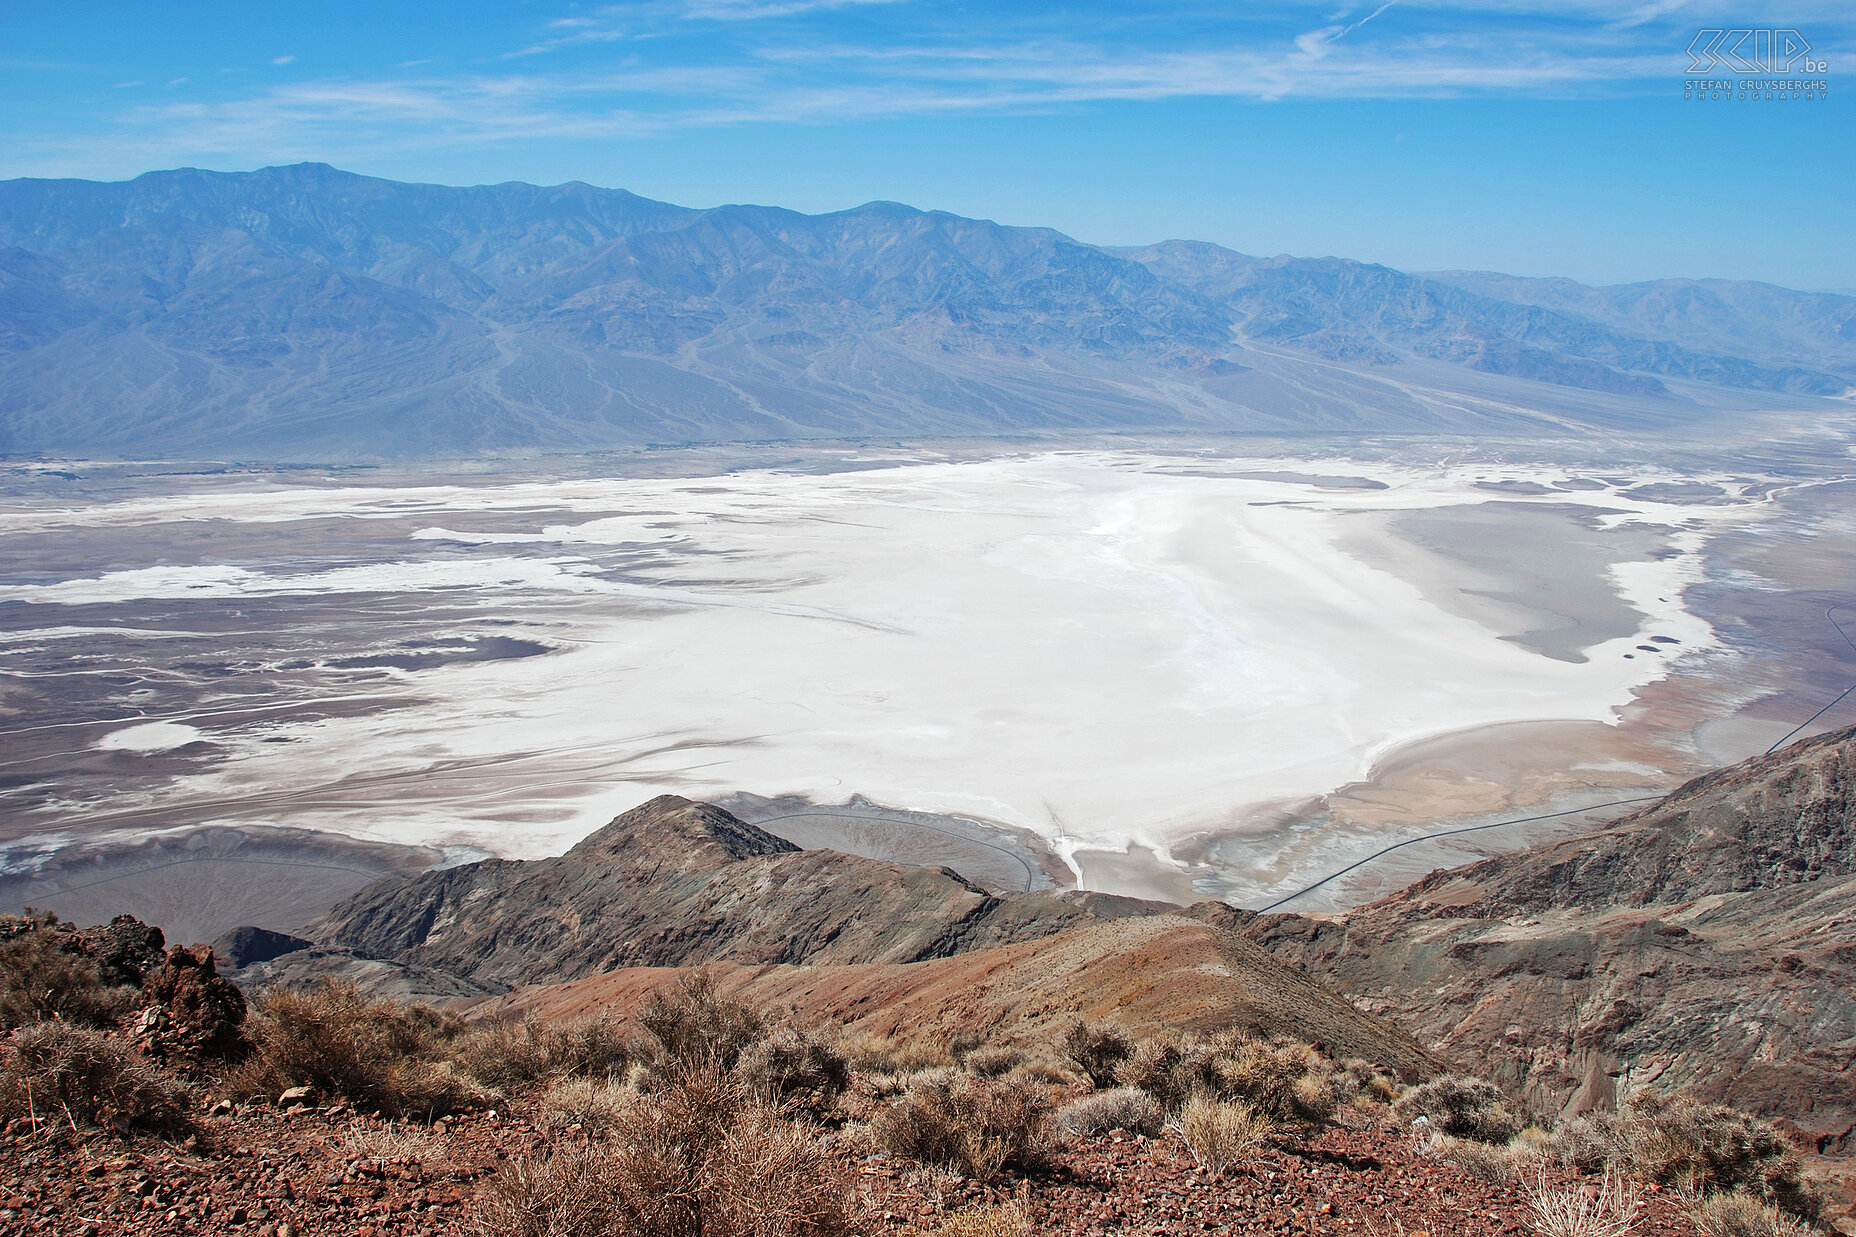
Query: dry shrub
point(388, 1144)
point(1483, 1161)
point(693, 1159)
point(800, 1069)
point(994, 1061)
point(1460, 1107)
point(933, 1182)
point(1713, 1147)
point(1045, 1071)
point(592, 1107)
point(1286, 1082)
point(975, 1125)
point(508, 1055)
point(1161, 1066)
point(869, 1052)
point(1586, 1143)
point(562, 1194)
point(1125, 1108)
point(1606, 1208)
point(692, 1024)
point(1739, 1214)
point(771, 1178)
point(1363, 1080)
point(1000, 1220)
point(1219, 1134)
point(79, 1076)
point(1097, 1049)
point(45, 972)
point(375, 1054)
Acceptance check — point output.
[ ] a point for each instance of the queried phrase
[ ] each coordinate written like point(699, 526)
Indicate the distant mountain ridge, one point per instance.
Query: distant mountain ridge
point(305, 312)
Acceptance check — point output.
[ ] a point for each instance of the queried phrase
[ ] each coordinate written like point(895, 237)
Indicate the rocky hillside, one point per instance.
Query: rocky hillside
point(1706, 943)
point(673, 883)
point(1155, 975)
point(308, 313)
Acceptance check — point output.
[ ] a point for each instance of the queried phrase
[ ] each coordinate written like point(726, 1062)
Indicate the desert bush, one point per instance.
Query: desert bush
point(994, 1060)
point(375, 1054)
point(1483, 1161)
point(592, 1106)
point(45, 972)
point(1586, 1143)
point(1218, 1133)
point(1125, 1108)
point(517, 1054)
point(1359, 1078)
point(1739, 1214)
point(999, 1220)
point(76, 1075)
point(392, 1143)
point(695, 1158)
point(561, 1194)
point(1606, 1208)
point(1097, 1049)
point(868, 1052)
point(796, 1068)
point(1166, 1067)
point(935, 1183)
point(1460, 1107)
point(1713, 1147)
point(691, 1023)
point(1045, 1070)
point(771, 1178)
point(1286, 1082)
point(974, 1125)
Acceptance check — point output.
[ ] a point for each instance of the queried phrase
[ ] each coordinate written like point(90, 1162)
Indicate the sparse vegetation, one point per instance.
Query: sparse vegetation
point(1460, 1107)
point(1097, 1049)
point(994, 1061)
point(716, 1122)
point(1711, 1147)
point(1605, 1208)
point(1739, 1214)
point(1125, 1108)
point(692, 1024)
point(1220, 1134)
point(796, 1068)
point(1286, 1082)
point(583, 1105)
point(45, 972)
point(59, 1075)
point(1000, 1220)
point(505, 1055)
point(694, 1157)
point(975, 1125)
point(375, 1054)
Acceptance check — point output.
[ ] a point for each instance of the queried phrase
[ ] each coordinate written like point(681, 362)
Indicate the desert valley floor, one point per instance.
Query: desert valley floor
point(1171, 670)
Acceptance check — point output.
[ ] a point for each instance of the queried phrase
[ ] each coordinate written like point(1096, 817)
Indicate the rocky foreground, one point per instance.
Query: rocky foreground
point(256, 1169)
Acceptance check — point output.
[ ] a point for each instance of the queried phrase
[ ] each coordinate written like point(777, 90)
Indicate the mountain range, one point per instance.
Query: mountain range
point(308, 313)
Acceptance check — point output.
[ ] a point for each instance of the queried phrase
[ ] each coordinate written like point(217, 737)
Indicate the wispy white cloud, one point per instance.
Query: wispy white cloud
point(282, 59)
point(661, 66)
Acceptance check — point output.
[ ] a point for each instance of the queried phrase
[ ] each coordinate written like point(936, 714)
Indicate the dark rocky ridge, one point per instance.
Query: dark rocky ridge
point(675, 883)
point(1707, 943)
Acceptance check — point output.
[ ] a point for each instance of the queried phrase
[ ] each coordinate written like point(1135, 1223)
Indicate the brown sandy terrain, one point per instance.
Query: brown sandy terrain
point(1150, 975)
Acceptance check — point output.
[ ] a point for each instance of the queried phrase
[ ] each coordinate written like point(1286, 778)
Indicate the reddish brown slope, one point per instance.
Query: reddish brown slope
point(1151, 975)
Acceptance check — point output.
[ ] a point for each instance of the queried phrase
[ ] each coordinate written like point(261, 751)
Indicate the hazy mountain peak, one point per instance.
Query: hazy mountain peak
point(304, 311)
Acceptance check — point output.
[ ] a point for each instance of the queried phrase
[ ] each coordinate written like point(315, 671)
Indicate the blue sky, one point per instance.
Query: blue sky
point(1531, 136)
